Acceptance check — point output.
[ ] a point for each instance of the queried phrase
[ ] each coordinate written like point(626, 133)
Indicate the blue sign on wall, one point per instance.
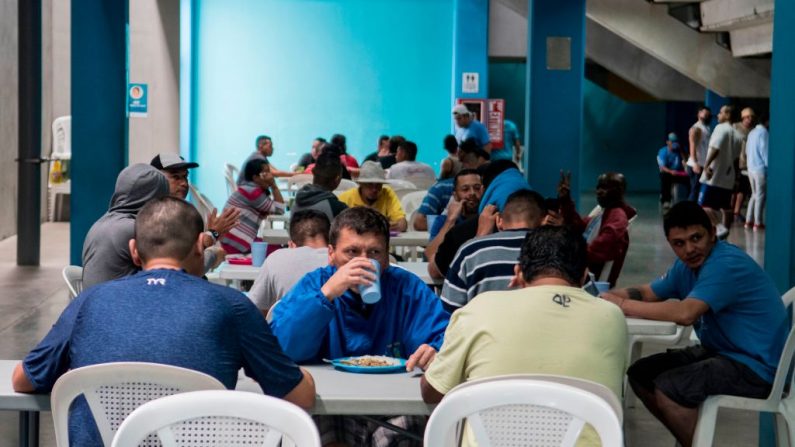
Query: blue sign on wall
point(137, 100)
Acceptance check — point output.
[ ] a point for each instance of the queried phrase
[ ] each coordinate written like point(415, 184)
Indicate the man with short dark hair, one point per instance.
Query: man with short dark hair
point(319, 195)
point(381, 151)
point(487, 262)
point(307, 250)
point(323, 316)
point(670, 162)
point(106, 253)
point(311, 156)
point(735, 309)
point(163, 315)
point(698, 136)
point(264, 150)
point(548, 325)
point(718, 176)
point(409, 169)
point(438, 197)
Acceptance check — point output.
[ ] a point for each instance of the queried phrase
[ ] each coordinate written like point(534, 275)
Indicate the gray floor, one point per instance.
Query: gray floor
point(33, 298)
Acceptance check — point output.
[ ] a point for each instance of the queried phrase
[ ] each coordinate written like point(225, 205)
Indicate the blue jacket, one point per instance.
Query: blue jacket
point(309, 327)
point(505, 184)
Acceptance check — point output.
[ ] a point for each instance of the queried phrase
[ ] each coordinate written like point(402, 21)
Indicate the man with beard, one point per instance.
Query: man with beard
point(467, 190)
point(735, 309)
point(487, 263)
point(607, 232)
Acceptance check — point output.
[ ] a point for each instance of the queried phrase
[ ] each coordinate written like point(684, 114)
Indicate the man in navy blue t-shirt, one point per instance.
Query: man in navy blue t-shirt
point(163, 315)
point(735, 309)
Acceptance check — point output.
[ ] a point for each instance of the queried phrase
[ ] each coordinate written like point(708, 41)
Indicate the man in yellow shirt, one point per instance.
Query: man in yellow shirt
point(373, 194)
point(548, 325)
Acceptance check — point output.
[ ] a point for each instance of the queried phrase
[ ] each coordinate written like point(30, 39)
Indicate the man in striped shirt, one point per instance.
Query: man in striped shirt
point(487, 262)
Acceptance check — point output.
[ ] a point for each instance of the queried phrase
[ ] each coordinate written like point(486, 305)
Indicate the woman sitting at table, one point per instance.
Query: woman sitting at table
point(253, 200)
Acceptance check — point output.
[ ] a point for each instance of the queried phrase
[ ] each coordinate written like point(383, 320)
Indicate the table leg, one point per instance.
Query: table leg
point(28, 429)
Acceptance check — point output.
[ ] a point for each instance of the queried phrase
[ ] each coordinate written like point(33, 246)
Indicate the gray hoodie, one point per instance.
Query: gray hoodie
point(106, 252)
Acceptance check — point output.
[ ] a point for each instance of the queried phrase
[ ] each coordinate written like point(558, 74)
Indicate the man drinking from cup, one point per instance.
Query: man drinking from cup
point(325, 316)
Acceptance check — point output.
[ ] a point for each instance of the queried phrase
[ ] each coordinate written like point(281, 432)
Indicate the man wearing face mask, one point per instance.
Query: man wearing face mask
point(606, 232)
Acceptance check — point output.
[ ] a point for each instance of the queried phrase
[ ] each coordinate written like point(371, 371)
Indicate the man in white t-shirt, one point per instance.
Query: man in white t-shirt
point(718, 176)
point(699, 136)
point(407, 168)
point(308, 250)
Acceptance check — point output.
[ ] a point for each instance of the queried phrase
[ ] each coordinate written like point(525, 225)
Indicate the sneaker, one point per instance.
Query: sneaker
point(749, 225)
point(721, 231)
point(759, 227)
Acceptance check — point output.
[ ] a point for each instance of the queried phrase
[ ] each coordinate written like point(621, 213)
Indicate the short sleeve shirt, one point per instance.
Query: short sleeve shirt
point(669, 159)
point(437, 198)
point(725, 139)
point(746, 320)
point(387, 202)
point(475, 130)
point(161, 316)
point(510, 137)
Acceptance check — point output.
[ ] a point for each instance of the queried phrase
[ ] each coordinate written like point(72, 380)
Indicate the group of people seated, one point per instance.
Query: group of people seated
point(513, 264)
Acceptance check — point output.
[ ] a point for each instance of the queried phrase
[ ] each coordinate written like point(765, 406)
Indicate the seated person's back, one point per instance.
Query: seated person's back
point(163, 315)
point(319, 195)
point(307, 251)
point(407, 168)
point(562, 329)
point(487, 262)
point(106, 254)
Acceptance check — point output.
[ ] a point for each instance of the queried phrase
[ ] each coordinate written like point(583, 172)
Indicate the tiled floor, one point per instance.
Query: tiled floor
point(32, 299)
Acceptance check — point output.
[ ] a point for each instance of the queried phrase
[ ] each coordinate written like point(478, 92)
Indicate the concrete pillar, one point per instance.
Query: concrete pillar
point(99, 113)
point(471, 46)
point(555, 69)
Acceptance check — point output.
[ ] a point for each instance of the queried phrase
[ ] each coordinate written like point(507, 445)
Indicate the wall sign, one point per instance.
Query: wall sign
point(137, 100)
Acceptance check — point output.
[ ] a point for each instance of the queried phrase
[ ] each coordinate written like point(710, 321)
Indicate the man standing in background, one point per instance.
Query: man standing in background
point(699, 144)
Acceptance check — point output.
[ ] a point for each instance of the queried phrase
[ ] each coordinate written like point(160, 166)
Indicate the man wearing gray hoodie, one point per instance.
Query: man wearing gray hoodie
point(106, 253)
point(319, 195)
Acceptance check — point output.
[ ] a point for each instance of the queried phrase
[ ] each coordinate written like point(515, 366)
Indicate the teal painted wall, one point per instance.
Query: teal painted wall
point(298, 69)
point(617, 135)
point(621, 136)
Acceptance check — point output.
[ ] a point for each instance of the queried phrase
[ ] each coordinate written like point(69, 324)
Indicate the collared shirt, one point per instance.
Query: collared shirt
point(387, 202)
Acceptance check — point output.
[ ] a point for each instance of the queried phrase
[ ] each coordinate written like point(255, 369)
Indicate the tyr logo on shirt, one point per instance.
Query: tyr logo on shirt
point(155, 281)
point(563, 300)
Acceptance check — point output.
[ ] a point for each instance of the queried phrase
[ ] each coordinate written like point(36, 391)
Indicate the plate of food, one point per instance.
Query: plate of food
point(370, 364)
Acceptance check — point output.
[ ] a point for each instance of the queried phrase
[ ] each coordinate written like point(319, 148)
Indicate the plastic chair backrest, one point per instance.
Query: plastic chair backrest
point(521, 411)
point(62, 138)
point(345, 185)
point(201, 202)
point(114, 390)
point(297, 181)
point(230, 176)
point(73, 275)
point(785, 366)
point(411, 201)
point(397, 185)
point(220, 417)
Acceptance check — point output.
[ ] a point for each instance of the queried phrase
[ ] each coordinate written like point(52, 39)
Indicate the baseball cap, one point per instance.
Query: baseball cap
point(672, 137)
point(460, 109)
point(171, 161)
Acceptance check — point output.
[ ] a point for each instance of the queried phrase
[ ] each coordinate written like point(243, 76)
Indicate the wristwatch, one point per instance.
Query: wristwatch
point(214, 234)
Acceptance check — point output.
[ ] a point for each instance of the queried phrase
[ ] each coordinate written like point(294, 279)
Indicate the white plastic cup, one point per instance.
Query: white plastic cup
point(258, 251)
point(372, 294)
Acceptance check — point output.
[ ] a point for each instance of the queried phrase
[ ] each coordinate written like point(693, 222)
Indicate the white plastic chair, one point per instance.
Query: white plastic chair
point(680, 338)
point(295, 182)
point(114, 390)
point(62, 138)
point(398, 184)
point(784, 407)
point(524, 410)
point(202, 203)
point(345, 185)
point(411, 203)
point(219, 418)
point(73, 275)
point(230, 176)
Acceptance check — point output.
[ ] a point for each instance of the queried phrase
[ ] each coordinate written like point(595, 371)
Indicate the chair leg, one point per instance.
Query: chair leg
point(782, 431)
point(705, 428)
point(630, 400)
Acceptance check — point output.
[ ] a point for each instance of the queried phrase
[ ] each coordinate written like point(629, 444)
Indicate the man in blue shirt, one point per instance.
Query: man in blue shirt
point(323, 315)
point(670, 161)
point(468, 127)
point(512, 144)
point(735, 309)
point(163, 315)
